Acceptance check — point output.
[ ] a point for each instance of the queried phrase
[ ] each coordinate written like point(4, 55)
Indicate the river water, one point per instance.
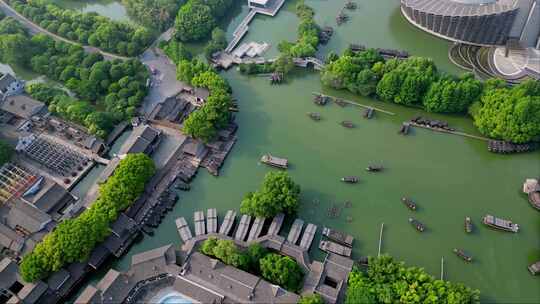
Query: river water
point(449, 177)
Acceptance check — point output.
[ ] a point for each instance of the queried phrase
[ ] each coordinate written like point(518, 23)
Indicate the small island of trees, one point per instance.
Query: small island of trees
point(74, 239)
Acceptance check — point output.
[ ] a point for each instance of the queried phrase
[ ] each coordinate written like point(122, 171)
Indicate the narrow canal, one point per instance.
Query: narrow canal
point(450, 177)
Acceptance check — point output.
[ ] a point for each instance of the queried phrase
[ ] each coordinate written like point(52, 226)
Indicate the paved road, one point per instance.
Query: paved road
point(36, 29)
point(164, 83)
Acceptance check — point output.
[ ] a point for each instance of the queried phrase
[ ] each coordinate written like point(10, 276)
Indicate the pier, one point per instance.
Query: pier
point(295, 231)
point(356, 104)
point(256, 229)
point(228, 222)
point(307, 238)
point(449, 131)
point(243, 228)
point(211, 220)
point(198, 218)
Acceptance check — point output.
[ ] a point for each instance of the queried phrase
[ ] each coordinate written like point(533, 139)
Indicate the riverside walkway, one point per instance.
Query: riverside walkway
point(36, 29)
point(242, 28)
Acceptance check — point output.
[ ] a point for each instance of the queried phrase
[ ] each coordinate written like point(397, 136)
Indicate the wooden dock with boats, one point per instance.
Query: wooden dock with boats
point(336, 248)
point(183, 229)
point(501, 224)
point(338, 236)
point(295, 231)
point(228, 222)
point(273, 161)
point(308, 236)
point(211, 220)
point(200, 225)
point(243, 228)
point(256, 229)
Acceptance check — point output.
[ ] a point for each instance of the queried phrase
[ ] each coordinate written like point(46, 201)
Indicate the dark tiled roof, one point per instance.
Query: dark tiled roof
point(89, 295)
point(165, 253)
point(28, 217)
point(98, 256)
point(5, 81)
point(57, 279)
point(8, 273)
point(10, 239)
point(32, 292)
point(49, 197)
point(22, 106)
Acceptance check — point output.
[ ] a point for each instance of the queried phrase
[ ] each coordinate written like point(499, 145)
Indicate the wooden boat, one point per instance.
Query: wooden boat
point(273, 161)
point(374, 168)
point(534, 268)
point(419, 226)
point(405, 127)
point(336, 248)
point(347, 124)
point(314, 116)
point(350, 5)
point(350, 179)
point(460, 253)
point(500, 224)
point(338, 236)
point(321, 100)
point(368, 113)
point(409, 203)
point(468, 225)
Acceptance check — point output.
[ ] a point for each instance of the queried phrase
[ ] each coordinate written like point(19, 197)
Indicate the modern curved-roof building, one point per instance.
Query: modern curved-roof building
point(478, 22)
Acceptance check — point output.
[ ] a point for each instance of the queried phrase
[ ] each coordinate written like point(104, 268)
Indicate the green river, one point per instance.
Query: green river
point(449, 176)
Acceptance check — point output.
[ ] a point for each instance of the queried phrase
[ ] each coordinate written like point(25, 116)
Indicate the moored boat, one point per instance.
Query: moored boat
point(419, 226)
point(368, 113)
point(315, 116)
point(404, 130)
point(338, 236)
point(350, 179)
point(347, 124)
point(535, 268)
point(336, 248)
point(409, 203)
point(468, 225)
point(321, 100)
point(374, 168)
point(500, 224)
point(462, 254)
point(273, 161)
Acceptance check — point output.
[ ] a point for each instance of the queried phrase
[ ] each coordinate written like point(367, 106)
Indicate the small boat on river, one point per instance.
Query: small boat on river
point(338, 236)
point(347, 124)
point(500, 224)
point(374, 168)
point(314, 116)
point(350, 179)
point(336, 248)
point(321, 100)
point(535, 268)
point(468, 225)
point(368, 113)
point(419, 226)
point(273, 161)
point(340, 102)
point(409, 203)
point(462, 254)
point(404, 130)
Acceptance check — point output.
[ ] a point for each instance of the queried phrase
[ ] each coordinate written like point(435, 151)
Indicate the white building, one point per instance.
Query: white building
point(9, 85)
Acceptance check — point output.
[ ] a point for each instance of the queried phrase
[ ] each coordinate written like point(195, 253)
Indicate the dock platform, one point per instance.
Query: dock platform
point(183, 229)
point(307, 238)
point(243, 228)
point(198, 219)
point(228, 222)
point(211, 220)
point(276, 224)
point(256, 229)
point(295, 231)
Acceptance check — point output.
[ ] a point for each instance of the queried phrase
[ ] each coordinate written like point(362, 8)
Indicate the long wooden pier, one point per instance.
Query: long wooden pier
point(307, 238)
point(275, 226)
point(295, 231)
point(256, 229)
point(211, 220)
point(356, 104)
point(450, 132)
point(228, 222)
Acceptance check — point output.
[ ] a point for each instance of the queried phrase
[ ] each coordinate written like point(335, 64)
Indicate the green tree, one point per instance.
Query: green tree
point(313, 298)
point(194, 22)
point(450, 95)
point(282, 270)
point(217, 43)
point(278, 193)
point(511, 114)
point(6, 152)
point(255, 252)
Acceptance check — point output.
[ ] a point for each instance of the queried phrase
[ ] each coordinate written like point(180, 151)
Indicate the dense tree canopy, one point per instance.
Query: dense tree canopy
point(388, 281)
point(451, 95)
point(313, 298)
point(6, 152)
point(155, 14)
point(176, 51)
point(308, 34)
point(205, 122)
point(73, 239)
point(509, 113)
point(197, 18)
point(278, 193)
point(116, 87)
point(282, 270)
point(85, 28)
point(217, 43)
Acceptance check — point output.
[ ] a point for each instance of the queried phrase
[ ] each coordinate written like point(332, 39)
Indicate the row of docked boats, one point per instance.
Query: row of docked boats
point(351, 179)
point(337, 242)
